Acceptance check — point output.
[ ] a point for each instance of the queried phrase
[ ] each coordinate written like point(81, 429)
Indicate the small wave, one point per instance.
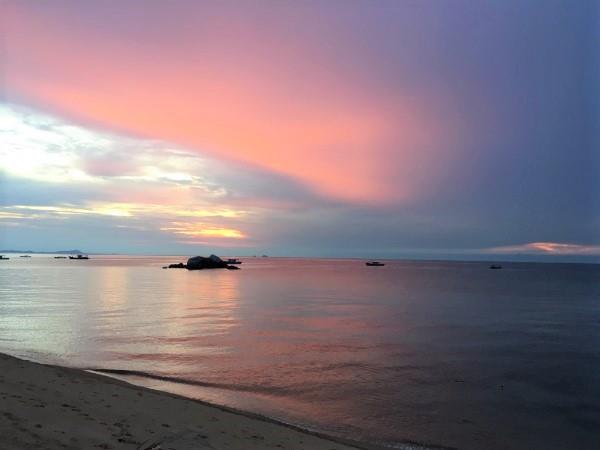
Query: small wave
point(272, 390)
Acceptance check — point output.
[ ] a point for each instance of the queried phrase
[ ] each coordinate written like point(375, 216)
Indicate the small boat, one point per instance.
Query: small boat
point(4, 258)
point(495, 266)
point(25, 256)
point(374, 263)
point(60, 257)
point(79, 257)
point(233, 261)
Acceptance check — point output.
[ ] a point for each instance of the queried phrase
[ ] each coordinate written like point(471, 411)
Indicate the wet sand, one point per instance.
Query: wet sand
point(52, 407)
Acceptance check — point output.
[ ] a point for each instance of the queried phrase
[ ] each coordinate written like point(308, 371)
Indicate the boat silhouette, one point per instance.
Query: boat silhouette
point(233, 261)
point(79, 257)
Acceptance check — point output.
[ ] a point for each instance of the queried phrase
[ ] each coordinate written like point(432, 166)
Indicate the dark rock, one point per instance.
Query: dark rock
point(177, 266)
point(201, 262)
point(233, 268)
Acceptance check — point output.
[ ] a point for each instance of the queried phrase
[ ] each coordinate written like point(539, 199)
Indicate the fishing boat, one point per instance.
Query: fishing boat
point(233, 261)
point(374, 263)
point(2, 257)
point(495, 266)
point(79, 257)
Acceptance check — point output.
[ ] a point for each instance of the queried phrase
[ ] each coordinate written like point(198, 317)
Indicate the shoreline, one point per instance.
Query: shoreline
point(51, 406)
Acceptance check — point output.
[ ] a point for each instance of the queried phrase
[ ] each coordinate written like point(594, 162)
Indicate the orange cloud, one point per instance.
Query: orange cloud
point(203, 230)
point(142, 216)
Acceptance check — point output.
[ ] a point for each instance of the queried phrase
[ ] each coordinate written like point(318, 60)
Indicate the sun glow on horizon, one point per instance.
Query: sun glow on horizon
point(203, 230)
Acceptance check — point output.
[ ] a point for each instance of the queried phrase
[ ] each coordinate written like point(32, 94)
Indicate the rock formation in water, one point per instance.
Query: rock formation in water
point(201, 262)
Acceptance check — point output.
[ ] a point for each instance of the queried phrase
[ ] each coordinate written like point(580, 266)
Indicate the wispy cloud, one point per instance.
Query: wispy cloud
point(11, 215)
point(546, 248)
point(134, 180)
point(41, 147)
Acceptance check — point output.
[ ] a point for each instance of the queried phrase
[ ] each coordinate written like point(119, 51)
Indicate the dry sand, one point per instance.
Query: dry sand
point(51, 407)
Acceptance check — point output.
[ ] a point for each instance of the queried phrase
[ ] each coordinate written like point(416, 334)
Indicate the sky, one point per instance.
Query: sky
point(388, 129)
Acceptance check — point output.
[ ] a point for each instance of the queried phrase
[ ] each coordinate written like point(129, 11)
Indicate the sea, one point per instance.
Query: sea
point(413, 354)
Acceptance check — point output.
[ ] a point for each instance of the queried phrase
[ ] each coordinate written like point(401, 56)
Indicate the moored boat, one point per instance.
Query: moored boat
point(374, 263)
point(233, 261)
point(79, 257)
point(4, 258)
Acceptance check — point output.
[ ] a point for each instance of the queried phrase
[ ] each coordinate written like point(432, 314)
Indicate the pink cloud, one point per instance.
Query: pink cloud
point(107, 166)
point(249, 96)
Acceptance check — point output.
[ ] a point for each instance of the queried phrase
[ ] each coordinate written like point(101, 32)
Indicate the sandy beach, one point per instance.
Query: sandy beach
point(52, 407)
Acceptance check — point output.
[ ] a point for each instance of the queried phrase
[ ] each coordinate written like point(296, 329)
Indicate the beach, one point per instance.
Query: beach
point(53, 407)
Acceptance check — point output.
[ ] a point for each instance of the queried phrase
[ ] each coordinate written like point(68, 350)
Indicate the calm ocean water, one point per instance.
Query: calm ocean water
point(444, 353)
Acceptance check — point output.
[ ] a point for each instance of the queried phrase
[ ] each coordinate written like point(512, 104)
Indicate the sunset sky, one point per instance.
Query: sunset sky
point(420, 129)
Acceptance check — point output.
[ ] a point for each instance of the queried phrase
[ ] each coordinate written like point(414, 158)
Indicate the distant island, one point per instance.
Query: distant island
point(58, 252)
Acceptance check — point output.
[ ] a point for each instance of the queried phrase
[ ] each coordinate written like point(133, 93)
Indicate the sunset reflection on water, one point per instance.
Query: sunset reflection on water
point(367, 353)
